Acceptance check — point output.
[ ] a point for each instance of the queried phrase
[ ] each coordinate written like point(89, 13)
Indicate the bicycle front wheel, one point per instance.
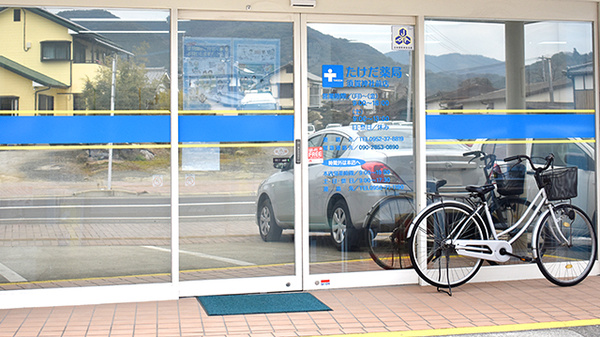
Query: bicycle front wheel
point(566, 259)
point(386, 228)
point(432, 253)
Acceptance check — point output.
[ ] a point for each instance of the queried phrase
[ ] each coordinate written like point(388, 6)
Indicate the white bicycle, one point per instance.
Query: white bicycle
point(450, 239)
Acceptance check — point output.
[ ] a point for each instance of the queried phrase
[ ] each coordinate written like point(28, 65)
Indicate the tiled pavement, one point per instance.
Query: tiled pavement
point(388, 311)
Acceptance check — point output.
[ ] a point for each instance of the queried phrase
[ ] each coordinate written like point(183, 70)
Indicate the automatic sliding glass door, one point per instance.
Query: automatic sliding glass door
point(360, 149)
point(237, 174)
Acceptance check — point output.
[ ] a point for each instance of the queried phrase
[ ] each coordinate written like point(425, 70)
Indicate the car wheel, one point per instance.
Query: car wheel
point(269, 231)
point(343, 234)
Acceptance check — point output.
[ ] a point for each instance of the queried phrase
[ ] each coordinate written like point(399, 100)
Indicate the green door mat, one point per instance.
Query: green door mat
point(261, 304)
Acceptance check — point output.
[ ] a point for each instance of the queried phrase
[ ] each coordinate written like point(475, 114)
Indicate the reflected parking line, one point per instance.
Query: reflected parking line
point(10, 275)
point(205, 256)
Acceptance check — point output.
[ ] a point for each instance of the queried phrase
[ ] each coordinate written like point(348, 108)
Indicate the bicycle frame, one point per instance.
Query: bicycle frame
point(529, 214)
point(499, 250)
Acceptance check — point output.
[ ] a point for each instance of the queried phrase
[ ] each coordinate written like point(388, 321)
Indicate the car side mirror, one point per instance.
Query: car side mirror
point(283, 164)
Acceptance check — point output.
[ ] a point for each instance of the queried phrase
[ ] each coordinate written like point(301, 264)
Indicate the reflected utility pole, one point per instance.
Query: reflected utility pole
point(547, 62)
point(112, 108)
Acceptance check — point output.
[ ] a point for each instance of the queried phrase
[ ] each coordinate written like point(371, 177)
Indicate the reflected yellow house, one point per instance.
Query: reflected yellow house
point(46, 59)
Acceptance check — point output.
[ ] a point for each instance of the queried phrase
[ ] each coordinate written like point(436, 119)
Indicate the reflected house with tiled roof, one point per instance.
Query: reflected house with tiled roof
point(46, 67)
point(575, 91)
point(582, 76)
point(537, 94)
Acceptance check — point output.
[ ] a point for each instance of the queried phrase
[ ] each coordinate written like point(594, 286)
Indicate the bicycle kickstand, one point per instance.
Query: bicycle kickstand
point(442, 290)
point(449, 291)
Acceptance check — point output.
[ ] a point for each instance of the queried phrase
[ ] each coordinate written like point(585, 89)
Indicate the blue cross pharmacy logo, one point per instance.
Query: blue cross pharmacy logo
point(333, 76)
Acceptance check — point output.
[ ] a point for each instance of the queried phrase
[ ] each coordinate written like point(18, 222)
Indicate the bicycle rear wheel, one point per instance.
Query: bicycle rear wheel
point(433, 255)
point(386, 228)
point(566, 263)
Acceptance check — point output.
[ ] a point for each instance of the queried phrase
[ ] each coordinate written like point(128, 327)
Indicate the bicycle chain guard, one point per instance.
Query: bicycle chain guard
point(484, 249)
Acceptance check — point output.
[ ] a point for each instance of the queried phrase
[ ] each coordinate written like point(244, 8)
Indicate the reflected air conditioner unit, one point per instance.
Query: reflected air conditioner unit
point(304, 3)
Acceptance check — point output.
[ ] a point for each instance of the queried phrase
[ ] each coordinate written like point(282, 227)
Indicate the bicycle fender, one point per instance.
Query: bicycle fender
point(535, 231)
point(419, 216)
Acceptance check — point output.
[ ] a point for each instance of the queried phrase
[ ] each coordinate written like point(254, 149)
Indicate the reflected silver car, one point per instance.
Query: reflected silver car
point(352, 168)
point(576, 153)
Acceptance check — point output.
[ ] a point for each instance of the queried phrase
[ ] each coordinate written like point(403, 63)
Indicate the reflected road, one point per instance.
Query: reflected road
point(78, 238)
point(86, 209)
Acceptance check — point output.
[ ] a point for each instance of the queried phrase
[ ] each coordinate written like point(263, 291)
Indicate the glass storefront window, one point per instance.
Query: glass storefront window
point(85, 138)
point(84, 184)
point(521, 88)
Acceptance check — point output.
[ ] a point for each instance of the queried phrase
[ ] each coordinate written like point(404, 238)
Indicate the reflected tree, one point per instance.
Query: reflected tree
point(134, 91)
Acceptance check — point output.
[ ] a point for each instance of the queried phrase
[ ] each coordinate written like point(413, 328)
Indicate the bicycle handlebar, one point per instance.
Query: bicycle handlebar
point(549, 159)
point(488, 159)
point(474, 153)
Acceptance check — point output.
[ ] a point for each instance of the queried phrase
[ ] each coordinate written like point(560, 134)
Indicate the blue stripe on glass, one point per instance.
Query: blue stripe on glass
point(245, 128)
point(143, 129)
point(545, 126)
point(84, 129)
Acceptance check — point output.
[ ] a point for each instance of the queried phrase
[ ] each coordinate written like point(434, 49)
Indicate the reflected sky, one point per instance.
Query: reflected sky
point(475, 38)
point(441, 37)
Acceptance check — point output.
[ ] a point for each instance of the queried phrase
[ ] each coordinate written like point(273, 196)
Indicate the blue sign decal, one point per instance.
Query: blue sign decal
point(343, 162)
point(545, 126)
point(402, 38)
point(333, 76)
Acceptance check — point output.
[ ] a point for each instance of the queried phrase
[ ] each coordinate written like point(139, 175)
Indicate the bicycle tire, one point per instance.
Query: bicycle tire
point(439, 264)
point(386, 227)
point(562, 264)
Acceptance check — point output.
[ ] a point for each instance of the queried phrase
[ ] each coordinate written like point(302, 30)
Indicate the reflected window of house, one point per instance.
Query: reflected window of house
point(9, 103)
point(56, 50)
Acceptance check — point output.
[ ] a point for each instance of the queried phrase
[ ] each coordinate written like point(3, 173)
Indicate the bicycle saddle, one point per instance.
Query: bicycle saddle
point(482, 190)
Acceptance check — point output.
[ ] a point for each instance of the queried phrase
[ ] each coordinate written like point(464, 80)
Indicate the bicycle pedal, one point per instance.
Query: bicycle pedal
point(522, 258)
